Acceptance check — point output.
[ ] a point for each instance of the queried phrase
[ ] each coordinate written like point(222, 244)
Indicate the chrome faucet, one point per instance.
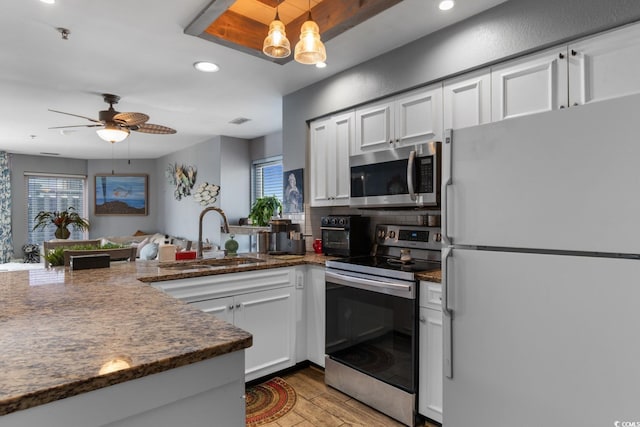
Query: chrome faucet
point(225, 226)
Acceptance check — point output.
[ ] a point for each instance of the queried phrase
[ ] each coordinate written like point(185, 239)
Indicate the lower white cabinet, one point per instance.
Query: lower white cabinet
point(260, 302)
point(430, 350)
point(315, 313)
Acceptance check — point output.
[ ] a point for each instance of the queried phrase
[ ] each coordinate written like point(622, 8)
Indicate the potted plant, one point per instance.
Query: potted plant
point(62, 220)
point(264, 209)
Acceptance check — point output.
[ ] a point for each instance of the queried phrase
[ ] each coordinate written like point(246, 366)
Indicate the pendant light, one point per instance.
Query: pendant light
point(276, 44)
point(310, 50)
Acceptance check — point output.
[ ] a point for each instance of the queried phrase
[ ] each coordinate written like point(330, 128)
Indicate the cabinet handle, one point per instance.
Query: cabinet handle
point(238, 305)
point(422, 319)
point(391, 141)
point(561, 55)
point(573, 52)
point(575, 104)
point(562, 106)
point(231, 307)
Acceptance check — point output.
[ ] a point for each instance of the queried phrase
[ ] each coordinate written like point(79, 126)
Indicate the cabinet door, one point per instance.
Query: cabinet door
point(418, 117)
point(430, 377)
point(270, 317)
point(315, 311)
point(222, 308)
point(530, 85)
point(339, 174)
point(467, 100)
point(374, 128)
point(319, 139)
point(606, 66)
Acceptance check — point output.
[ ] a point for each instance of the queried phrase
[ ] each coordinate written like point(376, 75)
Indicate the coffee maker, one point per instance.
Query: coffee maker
point(285, 238)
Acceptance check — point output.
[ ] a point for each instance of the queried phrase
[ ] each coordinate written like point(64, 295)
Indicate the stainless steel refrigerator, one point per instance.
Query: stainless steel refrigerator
point(541, 269)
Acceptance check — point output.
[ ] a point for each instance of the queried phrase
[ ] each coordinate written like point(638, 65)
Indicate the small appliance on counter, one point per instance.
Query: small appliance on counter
point(286, 238)
point(345, 235)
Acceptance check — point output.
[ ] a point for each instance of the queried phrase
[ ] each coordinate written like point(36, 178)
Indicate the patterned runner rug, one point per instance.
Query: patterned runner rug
point(269, 401)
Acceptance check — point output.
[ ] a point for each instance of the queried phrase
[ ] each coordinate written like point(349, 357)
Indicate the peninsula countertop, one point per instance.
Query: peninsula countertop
point(62, 331)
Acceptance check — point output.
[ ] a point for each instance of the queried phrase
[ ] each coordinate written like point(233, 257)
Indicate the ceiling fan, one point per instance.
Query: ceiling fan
point(115, 126)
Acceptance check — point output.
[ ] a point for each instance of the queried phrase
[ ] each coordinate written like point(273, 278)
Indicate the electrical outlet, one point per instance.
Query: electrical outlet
point(299, 280)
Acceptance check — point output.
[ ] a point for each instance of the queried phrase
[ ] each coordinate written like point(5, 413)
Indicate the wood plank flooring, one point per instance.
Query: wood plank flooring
point(320, 405)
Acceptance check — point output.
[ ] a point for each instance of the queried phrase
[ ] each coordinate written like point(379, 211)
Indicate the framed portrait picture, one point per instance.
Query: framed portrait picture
point(121, 194)
point(293, 198)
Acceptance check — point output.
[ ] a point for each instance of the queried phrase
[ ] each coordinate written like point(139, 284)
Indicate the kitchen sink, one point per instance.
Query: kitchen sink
point(210, 263)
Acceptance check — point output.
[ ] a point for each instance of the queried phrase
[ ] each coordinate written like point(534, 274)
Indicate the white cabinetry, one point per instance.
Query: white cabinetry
point(408, 119)
point(261, 302)
point(605, 66)
point(330, 141)
point(430, 351)
point(529, 85)
point(467, 100)
point(315, 313)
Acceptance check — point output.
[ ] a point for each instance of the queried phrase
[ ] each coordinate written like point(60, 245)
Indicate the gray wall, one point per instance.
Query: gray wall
point(121, 225)
point(20, 164)
point(510, 29)
point(266, 146)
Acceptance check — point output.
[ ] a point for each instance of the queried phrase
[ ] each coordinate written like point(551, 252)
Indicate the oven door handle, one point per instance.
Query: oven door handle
point(334, 228)
point(396, 289)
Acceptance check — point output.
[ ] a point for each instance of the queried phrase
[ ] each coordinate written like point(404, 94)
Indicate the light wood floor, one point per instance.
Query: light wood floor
point(319, 405)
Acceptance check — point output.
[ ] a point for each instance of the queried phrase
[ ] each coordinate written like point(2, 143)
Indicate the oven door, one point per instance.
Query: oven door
point(371, 327)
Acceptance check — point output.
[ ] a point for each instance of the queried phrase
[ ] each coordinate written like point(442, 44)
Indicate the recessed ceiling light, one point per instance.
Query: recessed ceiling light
point(321, 65)
point(446, 4)
point(206, 67)
point(48, 1)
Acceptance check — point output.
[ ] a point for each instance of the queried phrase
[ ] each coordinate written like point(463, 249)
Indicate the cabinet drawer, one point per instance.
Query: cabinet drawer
point(430, 295)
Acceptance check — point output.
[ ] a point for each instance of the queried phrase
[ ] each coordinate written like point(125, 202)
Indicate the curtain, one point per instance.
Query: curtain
point(6, 245)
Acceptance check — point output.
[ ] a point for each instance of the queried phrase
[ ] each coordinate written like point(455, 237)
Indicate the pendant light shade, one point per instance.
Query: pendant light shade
point(310, 49)
point(113, 133)
point(276, 44)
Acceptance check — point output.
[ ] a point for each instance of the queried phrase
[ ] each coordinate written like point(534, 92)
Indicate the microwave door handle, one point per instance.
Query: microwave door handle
point(410, 175)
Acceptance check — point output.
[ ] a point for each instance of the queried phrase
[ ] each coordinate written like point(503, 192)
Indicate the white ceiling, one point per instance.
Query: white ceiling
point(138, 50)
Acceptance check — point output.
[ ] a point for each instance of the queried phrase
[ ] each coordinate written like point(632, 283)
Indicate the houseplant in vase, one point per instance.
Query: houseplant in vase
point(62, 220)
point(264, 209)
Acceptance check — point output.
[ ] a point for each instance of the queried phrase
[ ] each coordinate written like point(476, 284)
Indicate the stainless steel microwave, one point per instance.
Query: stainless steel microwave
point(404, 177)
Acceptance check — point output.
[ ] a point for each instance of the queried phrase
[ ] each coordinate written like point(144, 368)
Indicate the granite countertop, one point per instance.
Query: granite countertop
point(60, 328)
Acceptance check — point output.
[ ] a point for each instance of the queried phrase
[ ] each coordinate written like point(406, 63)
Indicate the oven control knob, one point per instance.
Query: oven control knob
point(392, 234)
point(334, 221)
point(342, 221)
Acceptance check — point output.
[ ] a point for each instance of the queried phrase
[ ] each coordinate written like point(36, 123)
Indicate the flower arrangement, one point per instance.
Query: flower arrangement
point(206, 193)
point(183, 178)
point(62, 220)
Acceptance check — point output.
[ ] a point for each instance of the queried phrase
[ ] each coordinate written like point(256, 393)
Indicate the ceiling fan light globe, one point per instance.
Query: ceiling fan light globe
point(310, 49)
point(276, 44)
point(113, 133)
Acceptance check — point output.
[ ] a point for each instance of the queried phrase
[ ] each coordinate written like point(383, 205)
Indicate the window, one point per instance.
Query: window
point(266, 178)
point(54, 193)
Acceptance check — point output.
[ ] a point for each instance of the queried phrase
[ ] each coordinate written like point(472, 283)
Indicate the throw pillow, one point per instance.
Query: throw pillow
point(141, 245)
point(31, 253)
point(149, 251)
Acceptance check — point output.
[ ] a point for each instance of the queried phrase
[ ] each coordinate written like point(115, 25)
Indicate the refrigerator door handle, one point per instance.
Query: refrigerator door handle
point(410, 177)
point(446, 182)
point(447, 318)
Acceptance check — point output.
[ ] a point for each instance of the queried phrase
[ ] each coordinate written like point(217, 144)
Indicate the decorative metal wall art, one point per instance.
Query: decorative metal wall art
point(183, 178)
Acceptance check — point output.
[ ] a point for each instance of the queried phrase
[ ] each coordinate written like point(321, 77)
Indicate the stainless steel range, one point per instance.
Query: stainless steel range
point(371, 319)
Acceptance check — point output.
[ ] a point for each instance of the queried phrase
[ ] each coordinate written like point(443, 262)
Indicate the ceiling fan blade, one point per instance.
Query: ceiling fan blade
point(76, 115)
point(151, 128)
point(77, 126)
point(130, 119)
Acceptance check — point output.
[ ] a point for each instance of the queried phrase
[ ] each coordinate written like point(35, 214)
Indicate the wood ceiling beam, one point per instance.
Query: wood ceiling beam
point(245, 34)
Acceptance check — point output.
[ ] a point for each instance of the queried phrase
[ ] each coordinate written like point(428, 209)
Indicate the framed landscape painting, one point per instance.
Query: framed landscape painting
point(121, 194)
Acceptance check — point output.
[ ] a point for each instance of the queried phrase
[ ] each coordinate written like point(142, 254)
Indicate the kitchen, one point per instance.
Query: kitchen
point(553, 28)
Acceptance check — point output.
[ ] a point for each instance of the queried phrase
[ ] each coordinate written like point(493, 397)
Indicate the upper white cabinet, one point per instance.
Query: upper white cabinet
point(330, 140)
point(606, 66)
point(467, 100)
point(408, 119)
point(529, 85)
